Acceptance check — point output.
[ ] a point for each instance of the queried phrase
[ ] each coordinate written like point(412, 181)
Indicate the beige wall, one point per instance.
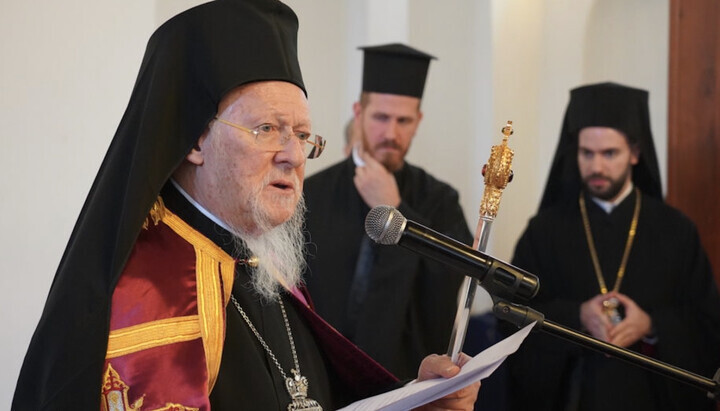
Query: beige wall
point(68, 69)
point(542, 49)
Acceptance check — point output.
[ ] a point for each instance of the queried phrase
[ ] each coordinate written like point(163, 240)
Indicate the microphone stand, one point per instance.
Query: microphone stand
point(521, 315)
point(386, 225)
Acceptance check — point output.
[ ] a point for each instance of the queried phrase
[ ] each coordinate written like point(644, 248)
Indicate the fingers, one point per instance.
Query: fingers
point(434, 366)
point(633, 328)
point(366, 157)
point(376, 185)
point(626, 301)
point(626, 334)
point(361, 151)
point(463, 399)
point(636, 319)
point(623, 339)
point(594, 319)
point(463, 359)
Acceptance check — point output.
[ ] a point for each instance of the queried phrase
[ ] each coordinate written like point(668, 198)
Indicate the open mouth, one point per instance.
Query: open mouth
point(282, 185)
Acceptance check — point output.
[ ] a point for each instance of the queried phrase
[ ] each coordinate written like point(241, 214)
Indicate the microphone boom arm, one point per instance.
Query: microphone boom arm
point(386, 225)
point(521, 315)
point(497, 277)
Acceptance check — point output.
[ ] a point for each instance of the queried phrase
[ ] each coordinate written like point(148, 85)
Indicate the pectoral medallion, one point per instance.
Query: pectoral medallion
point(297, 387)
point(611, 308)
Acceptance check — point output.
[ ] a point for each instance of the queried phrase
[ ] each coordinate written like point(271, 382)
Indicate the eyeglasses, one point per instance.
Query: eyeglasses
point(269, 137)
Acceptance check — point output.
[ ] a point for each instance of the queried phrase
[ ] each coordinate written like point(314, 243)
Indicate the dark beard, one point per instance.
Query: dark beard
point(612, 191)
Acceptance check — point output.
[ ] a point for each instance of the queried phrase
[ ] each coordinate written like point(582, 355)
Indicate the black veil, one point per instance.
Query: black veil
point(604, 105)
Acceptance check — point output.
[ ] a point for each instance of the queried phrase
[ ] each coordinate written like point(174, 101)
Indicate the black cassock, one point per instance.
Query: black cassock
point(410, 303)
point(668, 275)
point(337, 372)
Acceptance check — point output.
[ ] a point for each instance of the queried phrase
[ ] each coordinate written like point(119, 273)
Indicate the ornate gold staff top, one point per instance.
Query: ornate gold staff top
point(498, 173)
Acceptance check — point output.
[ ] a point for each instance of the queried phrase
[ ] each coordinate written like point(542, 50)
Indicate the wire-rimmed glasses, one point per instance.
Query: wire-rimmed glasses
point(270, 137)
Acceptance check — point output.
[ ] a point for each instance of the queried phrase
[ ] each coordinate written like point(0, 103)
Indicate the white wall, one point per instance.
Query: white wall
point(68, 69)
point(66, 75)
point(542, 49)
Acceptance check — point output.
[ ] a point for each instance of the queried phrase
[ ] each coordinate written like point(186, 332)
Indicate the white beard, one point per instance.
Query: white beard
point(279, 250)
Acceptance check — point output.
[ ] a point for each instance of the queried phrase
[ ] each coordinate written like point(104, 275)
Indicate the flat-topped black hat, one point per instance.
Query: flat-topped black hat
point(609, 105)
point(603, 105)
point(395, 69)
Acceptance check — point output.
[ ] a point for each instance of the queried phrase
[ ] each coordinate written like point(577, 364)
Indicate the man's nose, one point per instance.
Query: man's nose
point(391, 132)
point(293, 152)
point(597, 164)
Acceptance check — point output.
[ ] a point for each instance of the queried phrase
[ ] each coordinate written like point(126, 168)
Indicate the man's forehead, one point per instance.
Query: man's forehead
point(261, 90)
point(602, 135)
point(394, 102)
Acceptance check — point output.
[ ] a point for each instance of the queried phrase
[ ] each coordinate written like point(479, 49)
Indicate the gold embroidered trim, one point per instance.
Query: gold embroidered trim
point(114, 395)
point(157, 213)
point(212, 265)
point(176, 407)
point(152, 334)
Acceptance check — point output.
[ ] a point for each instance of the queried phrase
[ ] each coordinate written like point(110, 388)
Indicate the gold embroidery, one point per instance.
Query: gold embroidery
point(114, 396)
point(114, 393)
point(215, 274)
point(151, 334)
point(176, 407)
point(157, 213)
point(214, 278)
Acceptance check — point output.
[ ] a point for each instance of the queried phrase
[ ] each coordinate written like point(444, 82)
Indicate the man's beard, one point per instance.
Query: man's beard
point(280, 251)
point(391, 164)
point(611, 191)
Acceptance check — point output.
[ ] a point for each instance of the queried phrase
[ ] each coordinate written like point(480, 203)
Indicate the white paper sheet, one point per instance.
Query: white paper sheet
point(416, 394)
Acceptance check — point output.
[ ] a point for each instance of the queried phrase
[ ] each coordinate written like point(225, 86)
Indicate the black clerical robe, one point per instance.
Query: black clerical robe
point(410, 302)
point(175, 339)
point(667, 275)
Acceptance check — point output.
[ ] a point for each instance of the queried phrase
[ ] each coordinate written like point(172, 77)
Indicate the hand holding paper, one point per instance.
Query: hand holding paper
point(418, 393)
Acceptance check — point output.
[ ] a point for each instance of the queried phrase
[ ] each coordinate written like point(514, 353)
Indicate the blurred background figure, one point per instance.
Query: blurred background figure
point(393, 303)
point(616, 262)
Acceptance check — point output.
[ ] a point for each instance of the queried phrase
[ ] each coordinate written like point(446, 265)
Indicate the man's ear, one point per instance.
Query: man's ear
point(634, 154)
point(195, 156)
point(357, 109)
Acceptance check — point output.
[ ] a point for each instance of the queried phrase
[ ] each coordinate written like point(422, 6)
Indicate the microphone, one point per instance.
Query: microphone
point(386, 225)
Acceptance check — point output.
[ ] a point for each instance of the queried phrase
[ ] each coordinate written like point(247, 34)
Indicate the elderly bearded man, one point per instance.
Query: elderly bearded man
point(180, 286)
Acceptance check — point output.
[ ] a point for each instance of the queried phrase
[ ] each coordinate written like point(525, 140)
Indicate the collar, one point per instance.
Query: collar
point(179, 202)
point(356, 157)
point(199, 207)
point(609, 206)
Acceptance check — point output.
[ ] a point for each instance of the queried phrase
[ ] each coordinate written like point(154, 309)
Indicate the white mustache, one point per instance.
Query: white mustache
point(287, 176)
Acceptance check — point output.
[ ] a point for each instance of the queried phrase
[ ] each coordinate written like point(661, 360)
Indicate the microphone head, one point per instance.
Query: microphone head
point(385, 224)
